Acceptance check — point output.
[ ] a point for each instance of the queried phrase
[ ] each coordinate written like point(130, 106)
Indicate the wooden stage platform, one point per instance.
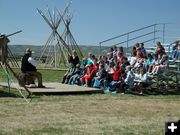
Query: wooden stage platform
point(57, 88)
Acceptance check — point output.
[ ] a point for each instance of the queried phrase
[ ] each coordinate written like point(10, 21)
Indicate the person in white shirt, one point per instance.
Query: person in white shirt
point(115, 51)
point(28, 66)
point(129, 80)
point(128, 83)
point(141, 80)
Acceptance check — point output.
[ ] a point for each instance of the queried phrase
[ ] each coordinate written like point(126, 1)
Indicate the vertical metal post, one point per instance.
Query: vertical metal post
point(100, 48)
point(164, 32)
point(127, 43)
point(154, 34)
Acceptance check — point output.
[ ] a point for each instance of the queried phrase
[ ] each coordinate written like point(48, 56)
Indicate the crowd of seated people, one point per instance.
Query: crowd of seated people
point(115, 72)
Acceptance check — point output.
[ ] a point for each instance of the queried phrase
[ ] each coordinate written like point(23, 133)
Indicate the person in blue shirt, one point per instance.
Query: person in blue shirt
point(90, 59)
point(175, 54)
point(149, 61)
point(143, 50)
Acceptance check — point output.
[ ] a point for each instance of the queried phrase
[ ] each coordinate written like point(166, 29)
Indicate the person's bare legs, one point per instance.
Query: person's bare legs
point(150, 68)
point(154, 69)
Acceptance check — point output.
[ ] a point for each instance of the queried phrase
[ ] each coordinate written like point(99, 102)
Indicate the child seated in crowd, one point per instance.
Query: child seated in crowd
point(141, 80)
point(115, 83)
point(101, 75)
point(129, 80)
point(87, 78)
point(75, 78)
point(69, 73)
point(162, 65)
point(148, 61)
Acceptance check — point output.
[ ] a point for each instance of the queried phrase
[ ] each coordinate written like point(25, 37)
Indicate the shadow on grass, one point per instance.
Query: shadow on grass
point(152, 91)
point(7, 94)
point(67, 93)
point(155, 91)
point(163, 91)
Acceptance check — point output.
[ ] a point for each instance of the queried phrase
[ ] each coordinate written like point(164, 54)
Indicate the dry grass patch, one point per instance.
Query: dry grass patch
point(88, 114)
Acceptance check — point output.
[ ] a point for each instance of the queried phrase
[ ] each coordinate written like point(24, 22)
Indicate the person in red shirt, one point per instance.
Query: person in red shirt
point(120, 57)
point(160, 51)
point(116, 80)
point(117, 73)
point(95, 65)
point(87, 78)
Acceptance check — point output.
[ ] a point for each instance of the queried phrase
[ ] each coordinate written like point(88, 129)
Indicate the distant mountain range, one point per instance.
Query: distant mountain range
point(18, 50)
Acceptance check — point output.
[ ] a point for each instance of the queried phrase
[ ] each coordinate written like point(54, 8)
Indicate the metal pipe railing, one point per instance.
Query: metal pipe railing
point(131, 39)
point(128, 39)
point(126, 33)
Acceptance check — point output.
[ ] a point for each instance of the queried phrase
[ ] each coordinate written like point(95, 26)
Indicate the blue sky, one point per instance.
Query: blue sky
point(94, 20)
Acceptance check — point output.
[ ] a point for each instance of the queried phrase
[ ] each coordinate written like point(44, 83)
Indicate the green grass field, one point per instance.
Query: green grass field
point(86, 114)
point(48, 75)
